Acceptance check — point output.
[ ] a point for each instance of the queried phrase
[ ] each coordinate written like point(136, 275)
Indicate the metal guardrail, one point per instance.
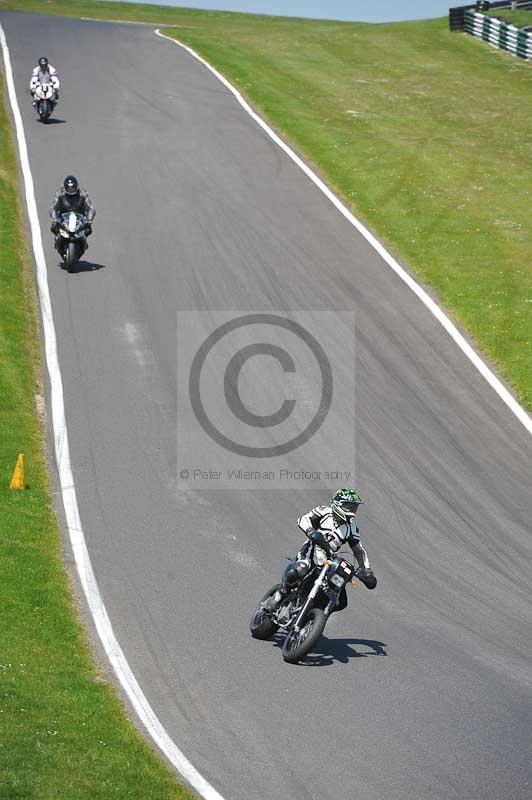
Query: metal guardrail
point(492, 30)
point(499, 34)
point(457, 15)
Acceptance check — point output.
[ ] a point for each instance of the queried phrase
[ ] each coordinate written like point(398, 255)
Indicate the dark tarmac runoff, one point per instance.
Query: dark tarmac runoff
point(419, 689)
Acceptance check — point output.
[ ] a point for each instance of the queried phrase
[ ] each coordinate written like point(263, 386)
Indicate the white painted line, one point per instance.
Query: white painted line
point(433, 307)
point(68, 490)
point(119, 21)
point(131, 22)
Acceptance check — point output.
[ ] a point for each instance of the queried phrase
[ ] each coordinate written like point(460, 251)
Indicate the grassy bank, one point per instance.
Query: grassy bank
point(518, 18)
point(64, 732)
point(425, 133)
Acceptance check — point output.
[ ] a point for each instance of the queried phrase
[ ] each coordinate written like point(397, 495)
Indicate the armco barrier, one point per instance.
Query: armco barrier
point(457, 20)
point(457, 17)
point(499, 34)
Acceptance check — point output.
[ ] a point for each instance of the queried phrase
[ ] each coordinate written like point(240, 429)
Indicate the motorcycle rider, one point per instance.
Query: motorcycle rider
point(70, 198)
point(327, 528)
point(44, 72)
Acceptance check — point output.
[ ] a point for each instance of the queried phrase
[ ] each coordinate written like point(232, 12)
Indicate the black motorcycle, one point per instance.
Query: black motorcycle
point(303, 613)
point(71, 242)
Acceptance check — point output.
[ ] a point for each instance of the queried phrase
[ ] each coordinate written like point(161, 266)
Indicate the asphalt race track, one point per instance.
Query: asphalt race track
point(420, 689)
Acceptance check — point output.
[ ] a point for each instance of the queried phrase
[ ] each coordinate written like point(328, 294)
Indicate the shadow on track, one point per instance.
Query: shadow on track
point(52, 121)
point(327, 651)
point(83, 266)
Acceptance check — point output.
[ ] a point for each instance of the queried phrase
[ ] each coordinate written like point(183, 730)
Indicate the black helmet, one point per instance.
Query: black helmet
point(71, 185)
point(43, 62)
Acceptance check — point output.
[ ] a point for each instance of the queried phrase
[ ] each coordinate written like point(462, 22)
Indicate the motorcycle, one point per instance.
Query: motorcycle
point(304, 612)
point(44, 98)
point(72, 241)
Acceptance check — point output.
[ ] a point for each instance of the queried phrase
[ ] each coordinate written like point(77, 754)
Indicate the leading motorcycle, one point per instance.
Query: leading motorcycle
point(303, 613)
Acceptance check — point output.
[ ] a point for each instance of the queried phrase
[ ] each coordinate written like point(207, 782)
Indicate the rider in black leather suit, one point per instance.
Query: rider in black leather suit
point(70, 198)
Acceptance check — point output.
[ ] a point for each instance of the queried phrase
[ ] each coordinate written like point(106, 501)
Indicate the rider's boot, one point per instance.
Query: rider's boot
point(272, 603)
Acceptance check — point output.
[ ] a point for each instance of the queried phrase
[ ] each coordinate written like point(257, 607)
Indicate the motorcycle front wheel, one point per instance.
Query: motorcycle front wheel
point(298, 644)
point(71, 255)
point(261, 625)
point(45, 111)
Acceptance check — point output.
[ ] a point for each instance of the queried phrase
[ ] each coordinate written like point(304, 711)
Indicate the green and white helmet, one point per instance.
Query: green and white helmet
point(344, 505)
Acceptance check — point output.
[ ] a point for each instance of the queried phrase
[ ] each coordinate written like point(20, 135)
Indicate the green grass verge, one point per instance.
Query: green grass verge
point(518, 18)
point(65, 734)
point(424, 133)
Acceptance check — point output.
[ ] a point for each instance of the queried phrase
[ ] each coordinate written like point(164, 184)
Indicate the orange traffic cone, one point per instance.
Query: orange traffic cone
point(18, 481)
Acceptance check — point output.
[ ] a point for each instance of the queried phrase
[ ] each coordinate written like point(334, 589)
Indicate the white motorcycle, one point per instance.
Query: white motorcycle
point(44, 96)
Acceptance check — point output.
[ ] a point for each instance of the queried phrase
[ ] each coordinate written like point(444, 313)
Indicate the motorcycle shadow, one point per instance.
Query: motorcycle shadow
point(327, 651)
point(83, 266)
point(52, 121)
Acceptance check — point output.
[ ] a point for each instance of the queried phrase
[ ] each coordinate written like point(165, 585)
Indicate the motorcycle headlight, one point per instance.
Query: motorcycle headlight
point(63, 233)
point(337, 581)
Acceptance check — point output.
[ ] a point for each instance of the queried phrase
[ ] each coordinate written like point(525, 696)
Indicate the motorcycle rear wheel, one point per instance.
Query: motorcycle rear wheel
point(297, 645)
point(261, 625)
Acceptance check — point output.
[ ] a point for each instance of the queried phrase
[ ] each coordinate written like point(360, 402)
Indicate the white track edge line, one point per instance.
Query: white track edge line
point(425, 298)
point(88, 580)
point(119, 21)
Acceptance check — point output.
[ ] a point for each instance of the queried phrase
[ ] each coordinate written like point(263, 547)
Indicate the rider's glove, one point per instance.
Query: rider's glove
point(317, 537)
point(88, 229)
point(367, 577)
point(54, 227)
